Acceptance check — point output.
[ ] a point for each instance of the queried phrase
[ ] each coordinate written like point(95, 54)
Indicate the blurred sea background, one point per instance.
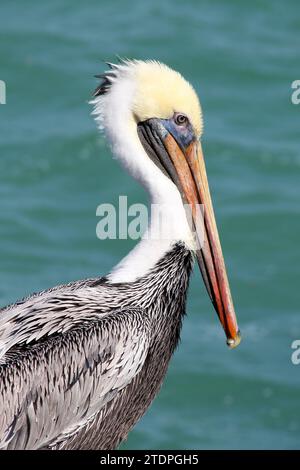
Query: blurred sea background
point(55, 169)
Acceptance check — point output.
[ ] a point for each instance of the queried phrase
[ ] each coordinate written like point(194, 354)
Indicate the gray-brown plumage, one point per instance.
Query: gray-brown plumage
point(85, 360)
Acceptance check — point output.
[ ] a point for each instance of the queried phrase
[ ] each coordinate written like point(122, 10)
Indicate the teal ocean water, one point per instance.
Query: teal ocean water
point(55, 169)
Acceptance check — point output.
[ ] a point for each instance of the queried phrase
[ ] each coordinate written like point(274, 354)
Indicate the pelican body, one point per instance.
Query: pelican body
point(82, 362)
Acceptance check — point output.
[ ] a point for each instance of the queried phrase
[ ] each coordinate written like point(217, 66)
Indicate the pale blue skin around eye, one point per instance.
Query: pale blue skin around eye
point(184, 135)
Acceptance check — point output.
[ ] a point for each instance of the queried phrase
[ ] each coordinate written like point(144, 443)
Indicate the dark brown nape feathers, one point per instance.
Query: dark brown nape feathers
point(106, 78)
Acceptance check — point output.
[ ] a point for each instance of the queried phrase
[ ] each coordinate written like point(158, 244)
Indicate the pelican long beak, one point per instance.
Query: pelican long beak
point(190, 168)
point(186, 167)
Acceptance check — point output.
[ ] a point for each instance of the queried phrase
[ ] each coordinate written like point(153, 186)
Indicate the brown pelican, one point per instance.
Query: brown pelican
point(81, 362)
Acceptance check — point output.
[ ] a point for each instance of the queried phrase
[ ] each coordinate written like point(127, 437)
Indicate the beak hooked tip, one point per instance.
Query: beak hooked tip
point(233, 343)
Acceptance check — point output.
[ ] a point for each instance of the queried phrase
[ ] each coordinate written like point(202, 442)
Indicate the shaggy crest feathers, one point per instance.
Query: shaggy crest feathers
point(159, 92)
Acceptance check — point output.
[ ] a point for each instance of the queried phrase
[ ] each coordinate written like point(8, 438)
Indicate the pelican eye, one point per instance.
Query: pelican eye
point(180, 119)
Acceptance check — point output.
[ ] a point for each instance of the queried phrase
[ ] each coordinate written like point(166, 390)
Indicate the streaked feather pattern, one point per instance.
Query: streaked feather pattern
point(82, 362)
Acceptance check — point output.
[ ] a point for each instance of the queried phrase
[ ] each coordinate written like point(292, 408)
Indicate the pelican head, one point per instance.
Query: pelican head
point(153, 120)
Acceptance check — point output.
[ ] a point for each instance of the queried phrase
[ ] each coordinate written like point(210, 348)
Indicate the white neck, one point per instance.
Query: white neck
point(167, 227)
point(151, 249)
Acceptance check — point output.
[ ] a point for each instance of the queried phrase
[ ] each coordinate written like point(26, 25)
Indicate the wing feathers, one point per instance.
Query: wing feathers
point(54, 387)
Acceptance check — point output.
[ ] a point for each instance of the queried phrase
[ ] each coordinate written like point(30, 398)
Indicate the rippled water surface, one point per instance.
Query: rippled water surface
point(55, 169)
